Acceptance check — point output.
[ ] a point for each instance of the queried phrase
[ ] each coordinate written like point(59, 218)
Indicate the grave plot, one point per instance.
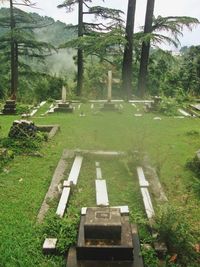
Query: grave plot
point(103, 182)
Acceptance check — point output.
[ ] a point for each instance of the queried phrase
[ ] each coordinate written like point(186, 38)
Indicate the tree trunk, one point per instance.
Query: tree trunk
point(142, 79)
point(80, 51)
point(128, 50)
point(13, 48)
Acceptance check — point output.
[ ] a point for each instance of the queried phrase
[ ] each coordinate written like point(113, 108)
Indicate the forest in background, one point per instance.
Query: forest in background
point(168, 74)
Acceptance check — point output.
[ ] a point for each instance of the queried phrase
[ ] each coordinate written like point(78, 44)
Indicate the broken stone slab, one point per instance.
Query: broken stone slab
point(56, 179)
point(49, 245)
point(75, 170)
point(97, 164)
point(98, 173)
point(101, 193)
point(147, 203)
point(184, 113)
point(142, 180)
point(67, 183)
point(63, 202)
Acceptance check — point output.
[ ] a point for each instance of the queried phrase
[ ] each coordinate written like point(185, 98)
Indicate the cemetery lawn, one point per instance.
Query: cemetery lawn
point(168, 142)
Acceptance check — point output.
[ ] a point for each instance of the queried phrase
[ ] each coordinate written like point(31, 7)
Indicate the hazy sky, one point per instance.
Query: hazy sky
point(162, 7)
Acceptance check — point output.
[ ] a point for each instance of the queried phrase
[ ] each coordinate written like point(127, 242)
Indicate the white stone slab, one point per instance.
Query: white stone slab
point(63, 202)
point(75, 170)
point(140, 101)
point(92, 106)
point(83, 210)
point(97, 164)
point(42, 103)
point(147, 203)
point(49, 243)
point(142, 180)
point(107, 153)
point(123, 209)
point(101, 193)
point(66, 183)
point(33, 112)
point(183, 112)
point(98, 173)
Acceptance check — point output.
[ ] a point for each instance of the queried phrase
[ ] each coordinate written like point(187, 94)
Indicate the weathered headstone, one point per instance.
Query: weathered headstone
point(64, 94)
point(64, 106)
point(109, 105)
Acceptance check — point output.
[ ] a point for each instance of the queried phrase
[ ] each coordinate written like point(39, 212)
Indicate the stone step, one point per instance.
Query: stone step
point(142, 180)
point(75, 170)
point(101, 193)
point(124, 210)
point(63, 202)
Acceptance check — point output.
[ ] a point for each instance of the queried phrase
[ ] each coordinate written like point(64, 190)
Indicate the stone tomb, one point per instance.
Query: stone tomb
point(9, 107)
point(64, 107)
point(104, 235)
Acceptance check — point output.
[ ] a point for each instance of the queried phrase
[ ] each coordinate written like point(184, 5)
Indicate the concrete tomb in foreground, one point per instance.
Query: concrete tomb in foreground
point(105, 235)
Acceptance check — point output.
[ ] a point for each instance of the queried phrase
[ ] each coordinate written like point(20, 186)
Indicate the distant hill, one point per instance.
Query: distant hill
point(55, 33)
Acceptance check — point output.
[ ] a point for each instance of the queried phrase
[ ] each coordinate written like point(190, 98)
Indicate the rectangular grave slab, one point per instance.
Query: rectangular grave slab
point(75, 170)
point(98, 173)
point(142, 180)
point(63, 202)
point(147, 203)
point(103, 223)
point(101, 193)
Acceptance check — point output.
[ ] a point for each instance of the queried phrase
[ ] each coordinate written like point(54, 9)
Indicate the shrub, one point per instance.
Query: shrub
point(65, 229)
point(168, 106)
point(174, 230)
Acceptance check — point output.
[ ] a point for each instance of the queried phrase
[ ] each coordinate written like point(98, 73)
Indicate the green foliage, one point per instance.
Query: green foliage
point(174, 230)
point(23, 108)
point(65, 229)
point(6, 155)
point(168, 106)
point(23, 145)
point(149, 256)
point(194, 165)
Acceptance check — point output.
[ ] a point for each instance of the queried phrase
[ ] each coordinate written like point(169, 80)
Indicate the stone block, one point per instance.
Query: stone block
point(103, 223)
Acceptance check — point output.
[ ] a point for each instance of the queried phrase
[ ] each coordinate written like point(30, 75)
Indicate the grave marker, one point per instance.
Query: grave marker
point(75, 170)
point(101, 193)
point(63, 202)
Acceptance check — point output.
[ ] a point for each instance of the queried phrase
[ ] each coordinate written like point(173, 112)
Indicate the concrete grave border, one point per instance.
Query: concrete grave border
point(51, 130)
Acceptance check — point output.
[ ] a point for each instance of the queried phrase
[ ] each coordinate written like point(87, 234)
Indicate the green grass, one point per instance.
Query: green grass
point(166, 141)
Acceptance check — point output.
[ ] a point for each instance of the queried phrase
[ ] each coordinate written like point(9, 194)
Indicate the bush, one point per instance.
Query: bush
point(65, 229)
point(174, 230)
point(168, 106)
point(194, 165)
point(5, 156)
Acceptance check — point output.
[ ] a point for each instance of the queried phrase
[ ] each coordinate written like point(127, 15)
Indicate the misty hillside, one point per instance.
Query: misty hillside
point(55, 33)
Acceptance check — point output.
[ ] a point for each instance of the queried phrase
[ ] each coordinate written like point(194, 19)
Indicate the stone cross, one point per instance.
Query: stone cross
point(109, 85)
point(64, 94)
